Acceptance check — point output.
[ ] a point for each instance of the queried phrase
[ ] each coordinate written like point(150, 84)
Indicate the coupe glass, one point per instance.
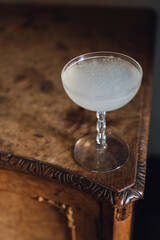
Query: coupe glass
point(101, 82)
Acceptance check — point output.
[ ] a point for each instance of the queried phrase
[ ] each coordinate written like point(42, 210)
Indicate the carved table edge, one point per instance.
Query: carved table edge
point(118, 199)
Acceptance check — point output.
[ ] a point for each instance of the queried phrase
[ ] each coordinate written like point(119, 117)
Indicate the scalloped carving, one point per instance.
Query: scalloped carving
point(123, 213)
point(30, 166)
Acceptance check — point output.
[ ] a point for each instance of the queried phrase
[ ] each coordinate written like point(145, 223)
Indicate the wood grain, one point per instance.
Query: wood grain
point(23, 217)
point(118, 199)
point(37, 119)
point(36, 208)
point(122, 229)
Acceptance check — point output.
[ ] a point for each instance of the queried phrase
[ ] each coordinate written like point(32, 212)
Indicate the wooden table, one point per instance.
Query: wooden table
point(39, 124)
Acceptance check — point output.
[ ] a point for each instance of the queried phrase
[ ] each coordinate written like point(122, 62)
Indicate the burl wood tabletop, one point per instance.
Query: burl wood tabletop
point(37, 119)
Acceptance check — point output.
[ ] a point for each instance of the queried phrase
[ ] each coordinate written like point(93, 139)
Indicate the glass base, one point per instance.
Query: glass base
point(96, 158)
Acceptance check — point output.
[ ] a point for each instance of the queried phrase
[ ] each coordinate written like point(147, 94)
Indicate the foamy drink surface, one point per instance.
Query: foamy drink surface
point(102, 83)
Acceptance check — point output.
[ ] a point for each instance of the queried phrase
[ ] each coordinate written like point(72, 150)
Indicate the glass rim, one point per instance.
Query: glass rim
point(102, 54)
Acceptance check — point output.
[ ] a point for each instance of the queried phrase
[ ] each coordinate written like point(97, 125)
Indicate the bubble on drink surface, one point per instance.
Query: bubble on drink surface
point(100, 80)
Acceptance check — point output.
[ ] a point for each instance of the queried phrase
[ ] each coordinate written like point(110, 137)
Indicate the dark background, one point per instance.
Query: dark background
point(146, 221)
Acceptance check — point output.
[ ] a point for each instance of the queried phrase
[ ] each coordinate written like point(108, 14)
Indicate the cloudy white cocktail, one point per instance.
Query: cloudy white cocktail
point(101, 82)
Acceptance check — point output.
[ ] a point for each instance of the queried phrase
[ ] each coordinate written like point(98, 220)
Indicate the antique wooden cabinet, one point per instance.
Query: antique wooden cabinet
point(44, 194)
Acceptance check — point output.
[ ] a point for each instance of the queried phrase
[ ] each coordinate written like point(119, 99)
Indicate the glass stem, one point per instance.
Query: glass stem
point(101, 129)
